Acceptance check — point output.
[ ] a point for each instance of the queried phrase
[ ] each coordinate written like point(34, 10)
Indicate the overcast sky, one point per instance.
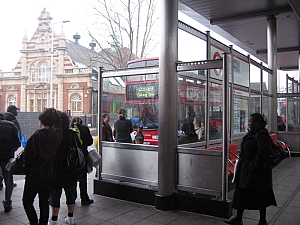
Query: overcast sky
point(18, 16)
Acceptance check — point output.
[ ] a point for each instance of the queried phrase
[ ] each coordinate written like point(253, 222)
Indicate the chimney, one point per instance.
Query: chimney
point(92, 45)
point(76, 37)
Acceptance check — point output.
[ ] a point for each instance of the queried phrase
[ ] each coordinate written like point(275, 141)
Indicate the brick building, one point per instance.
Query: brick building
point(74, 73)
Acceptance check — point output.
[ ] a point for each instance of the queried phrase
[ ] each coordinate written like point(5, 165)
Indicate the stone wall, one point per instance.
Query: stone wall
point(29, 122)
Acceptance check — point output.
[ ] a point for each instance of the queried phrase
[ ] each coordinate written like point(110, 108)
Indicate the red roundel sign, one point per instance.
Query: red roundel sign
point(217, 56)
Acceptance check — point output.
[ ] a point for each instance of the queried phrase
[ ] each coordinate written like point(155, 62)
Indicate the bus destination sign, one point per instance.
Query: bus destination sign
point(140, 91)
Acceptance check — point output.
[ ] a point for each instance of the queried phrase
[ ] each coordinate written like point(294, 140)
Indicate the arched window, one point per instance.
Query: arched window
point(43, 76)
point(11, 100)
point(76, 103)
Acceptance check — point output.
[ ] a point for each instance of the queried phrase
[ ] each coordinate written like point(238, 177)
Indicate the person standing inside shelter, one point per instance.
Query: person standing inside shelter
point(65, 178)
point(254, 189)
point(199, 128)
point(106, 129)
point(106, 133)
point(9, 143)
point(40, 165)
point(122, 128)
point(87, 140)
point(10, 115)
point(139, 137)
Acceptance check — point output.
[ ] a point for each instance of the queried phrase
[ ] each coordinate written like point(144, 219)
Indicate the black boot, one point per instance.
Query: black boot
point(262, 223)
point(233, 221)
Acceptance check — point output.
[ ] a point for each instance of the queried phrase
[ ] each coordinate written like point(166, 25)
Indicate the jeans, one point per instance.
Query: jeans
point(9, 184)
point(30, 191)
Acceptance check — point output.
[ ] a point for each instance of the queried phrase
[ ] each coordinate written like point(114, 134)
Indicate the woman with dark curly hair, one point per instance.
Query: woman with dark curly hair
point(254, 188)
point(40, 165)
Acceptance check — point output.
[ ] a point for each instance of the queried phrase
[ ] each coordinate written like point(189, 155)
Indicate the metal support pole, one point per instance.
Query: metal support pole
point(207, 89)
point(43, 97)
point(261, 88)
point(231, 97)
point(100, 92)
point(51, 68)
point(272, 62)
point(168, 105)
point(225, 127)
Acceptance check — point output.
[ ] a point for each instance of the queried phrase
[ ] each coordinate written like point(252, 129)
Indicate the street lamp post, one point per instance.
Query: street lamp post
point(51, 61)
point(42, 97)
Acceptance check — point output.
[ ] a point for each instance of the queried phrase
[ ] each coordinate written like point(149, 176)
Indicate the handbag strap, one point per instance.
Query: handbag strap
point(20, 136)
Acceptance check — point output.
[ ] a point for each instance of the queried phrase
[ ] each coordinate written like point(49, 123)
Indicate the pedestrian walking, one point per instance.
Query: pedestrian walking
point(9, 143)
point(10, 115)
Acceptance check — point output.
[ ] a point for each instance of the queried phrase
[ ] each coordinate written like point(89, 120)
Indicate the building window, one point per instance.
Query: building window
point(31, 102)
point(43, 76)
point(33, 74)
point(11, 100)
point(76, 103)
point(41, 101)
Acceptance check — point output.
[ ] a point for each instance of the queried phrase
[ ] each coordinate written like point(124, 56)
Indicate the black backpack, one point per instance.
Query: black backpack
point(75, 156)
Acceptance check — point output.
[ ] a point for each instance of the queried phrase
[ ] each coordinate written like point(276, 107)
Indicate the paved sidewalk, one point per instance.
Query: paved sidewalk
point(112, 211)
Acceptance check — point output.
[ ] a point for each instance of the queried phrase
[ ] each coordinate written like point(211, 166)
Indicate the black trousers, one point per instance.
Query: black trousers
point(82, 178)
point(29, 194)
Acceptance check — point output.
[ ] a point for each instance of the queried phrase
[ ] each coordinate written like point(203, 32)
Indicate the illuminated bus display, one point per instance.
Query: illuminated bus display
point(142, 91)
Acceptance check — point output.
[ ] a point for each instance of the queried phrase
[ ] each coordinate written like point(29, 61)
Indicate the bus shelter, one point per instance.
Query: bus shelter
point(178, 172)
point(217, 90)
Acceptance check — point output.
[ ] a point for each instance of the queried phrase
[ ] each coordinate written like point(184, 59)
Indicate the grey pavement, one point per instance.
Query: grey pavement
point(109, 211)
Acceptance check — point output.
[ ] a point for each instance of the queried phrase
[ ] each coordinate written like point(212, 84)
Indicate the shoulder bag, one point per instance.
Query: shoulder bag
point(17, 165)
point(75, 156)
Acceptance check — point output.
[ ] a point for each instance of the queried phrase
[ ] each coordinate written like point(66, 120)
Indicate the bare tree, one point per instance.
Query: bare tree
point(124, 30)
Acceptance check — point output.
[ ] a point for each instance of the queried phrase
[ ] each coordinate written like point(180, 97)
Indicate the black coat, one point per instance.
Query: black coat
point(86, 137)
point(11, 117)
point(40, 156)
point(106, 132)
point(253, 174)
point(9, 141)
point(64, 176)
point(254, 181)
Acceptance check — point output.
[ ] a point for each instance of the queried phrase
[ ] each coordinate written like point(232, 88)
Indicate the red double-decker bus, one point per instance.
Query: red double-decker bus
point(141, 99)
